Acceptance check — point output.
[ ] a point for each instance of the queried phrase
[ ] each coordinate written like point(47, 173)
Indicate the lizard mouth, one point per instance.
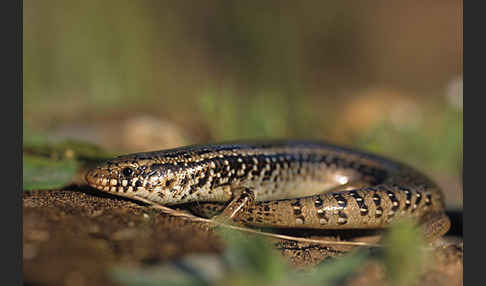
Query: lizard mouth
point(98, 178)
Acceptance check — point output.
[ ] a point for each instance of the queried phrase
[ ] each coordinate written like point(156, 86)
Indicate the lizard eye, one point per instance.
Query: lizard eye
point(127, 171)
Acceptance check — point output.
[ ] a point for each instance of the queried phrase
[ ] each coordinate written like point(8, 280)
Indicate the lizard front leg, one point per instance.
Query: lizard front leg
point(243, 199)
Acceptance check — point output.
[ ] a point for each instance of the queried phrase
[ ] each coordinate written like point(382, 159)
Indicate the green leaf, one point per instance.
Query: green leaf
point(44, 173)
point(167, 274)
point(333, 270)
point(67, 149)
point(253, 257)
point(403, 254)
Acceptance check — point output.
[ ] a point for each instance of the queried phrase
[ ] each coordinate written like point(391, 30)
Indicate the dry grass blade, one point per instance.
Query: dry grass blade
point(193, 218)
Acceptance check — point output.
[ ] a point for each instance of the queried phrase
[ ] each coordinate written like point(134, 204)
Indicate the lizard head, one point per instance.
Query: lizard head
point(131, 176)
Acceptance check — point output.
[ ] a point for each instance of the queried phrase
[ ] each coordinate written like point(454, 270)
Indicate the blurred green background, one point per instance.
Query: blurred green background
point(142, 75)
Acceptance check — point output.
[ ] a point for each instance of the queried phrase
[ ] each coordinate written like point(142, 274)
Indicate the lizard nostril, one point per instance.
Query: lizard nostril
point(91, 176)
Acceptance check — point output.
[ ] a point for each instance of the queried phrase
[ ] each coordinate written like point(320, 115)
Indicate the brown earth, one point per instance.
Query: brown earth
point(73, 237)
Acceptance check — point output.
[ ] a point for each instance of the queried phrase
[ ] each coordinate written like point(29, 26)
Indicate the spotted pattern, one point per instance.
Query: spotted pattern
point(379, 208)
point(418, 196)
point(342, 203)
point(428, 199)
point(395, 204)
point(297, 211)
point(321, 212)
point(408, 198)
point(210, 173)
point(363, 208)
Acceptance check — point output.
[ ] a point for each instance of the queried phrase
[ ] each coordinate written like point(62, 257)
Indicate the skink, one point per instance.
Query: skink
point(287, 184)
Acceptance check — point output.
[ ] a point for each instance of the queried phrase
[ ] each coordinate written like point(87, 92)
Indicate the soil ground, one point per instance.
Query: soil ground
point(73, 236)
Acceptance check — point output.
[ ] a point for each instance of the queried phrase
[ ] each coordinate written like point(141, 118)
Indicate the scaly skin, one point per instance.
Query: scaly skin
point(294, 183)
